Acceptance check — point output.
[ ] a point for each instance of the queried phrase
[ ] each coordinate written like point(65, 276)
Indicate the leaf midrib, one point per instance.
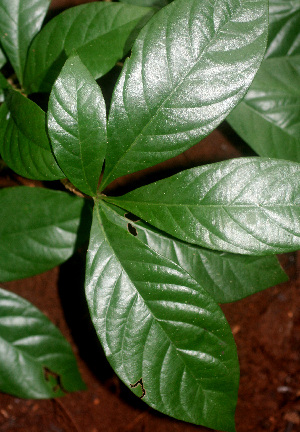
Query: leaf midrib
point(174, 89)
point(77, 126)
point(157, 321)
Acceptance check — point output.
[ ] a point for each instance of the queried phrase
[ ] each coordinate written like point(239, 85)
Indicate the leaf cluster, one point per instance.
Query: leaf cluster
point(162, 257)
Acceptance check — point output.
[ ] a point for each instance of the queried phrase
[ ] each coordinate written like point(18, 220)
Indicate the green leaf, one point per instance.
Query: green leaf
point(3, 82)
point(3, 115)
point(2, 59)
point(159, 328)
point(148, 3)
point(25, 146)
point(190, 65)
point(101, 33)
point(268, 118)
point(246, 205)
point(36, 361)
point(20, 21)
point(3, 85)
point(40, 229)
point(77, 125)
point(226, 277)
point(284, 28)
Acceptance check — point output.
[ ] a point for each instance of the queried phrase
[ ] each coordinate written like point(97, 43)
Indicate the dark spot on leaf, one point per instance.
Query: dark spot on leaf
point(132, 230)
point(54, 379)
point(139, 382)
point(131, 217)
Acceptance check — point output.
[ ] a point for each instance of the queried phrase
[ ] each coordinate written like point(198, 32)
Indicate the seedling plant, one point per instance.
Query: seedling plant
point(162, 257)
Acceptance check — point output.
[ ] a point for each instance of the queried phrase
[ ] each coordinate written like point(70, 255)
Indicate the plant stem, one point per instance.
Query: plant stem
point(70, 187)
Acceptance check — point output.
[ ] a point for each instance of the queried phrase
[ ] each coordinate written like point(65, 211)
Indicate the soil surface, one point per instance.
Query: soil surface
point(266, 327)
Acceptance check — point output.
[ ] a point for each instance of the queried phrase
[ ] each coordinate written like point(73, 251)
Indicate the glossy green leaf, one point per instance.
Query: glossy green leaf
point(3, 115)
point(226, 277)
point(39, 230)
point(159, 328)
point(3, 82)
point(148, 3)
point(2, 59)
point(20, 20)
point(189, 67)
point(100, 32)
point(268, 118)
point(3, 85)
point(245, 205)
point(36, 361)
point(77, 125)
point(25, 146)
point(284, 38)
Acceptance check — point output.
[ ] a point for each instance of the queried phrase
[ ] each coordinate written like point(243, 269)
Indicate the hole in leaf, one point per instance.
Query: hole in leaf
point(132, 230)
point(139, 382)
point(132, 217)
point(54, 379)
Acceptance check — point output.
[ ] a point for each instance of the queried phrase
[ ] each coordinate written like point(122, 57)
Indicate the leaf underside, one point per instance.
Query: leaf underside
point(156, 324)
point(36, 361)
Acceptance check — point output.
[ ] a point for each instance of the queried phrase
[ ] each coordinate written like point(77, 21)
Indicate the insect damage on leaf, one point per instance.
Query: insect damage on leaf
point(132, 217)
point(132, 230)
point(54, 379)
point(139, 382)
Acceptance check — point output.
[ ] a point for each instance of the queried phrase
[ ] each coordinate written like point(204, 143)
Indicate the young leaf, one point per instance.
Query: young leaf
point(190, 65)
point(36, 361)
point(40, 229)
point(25, 146)
point(20, 21)
point(284, 24)
point(268, 118)
point(246, 205)
point(101, 34)
point(226, 277)
point(77, 125)
point(159, 328)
